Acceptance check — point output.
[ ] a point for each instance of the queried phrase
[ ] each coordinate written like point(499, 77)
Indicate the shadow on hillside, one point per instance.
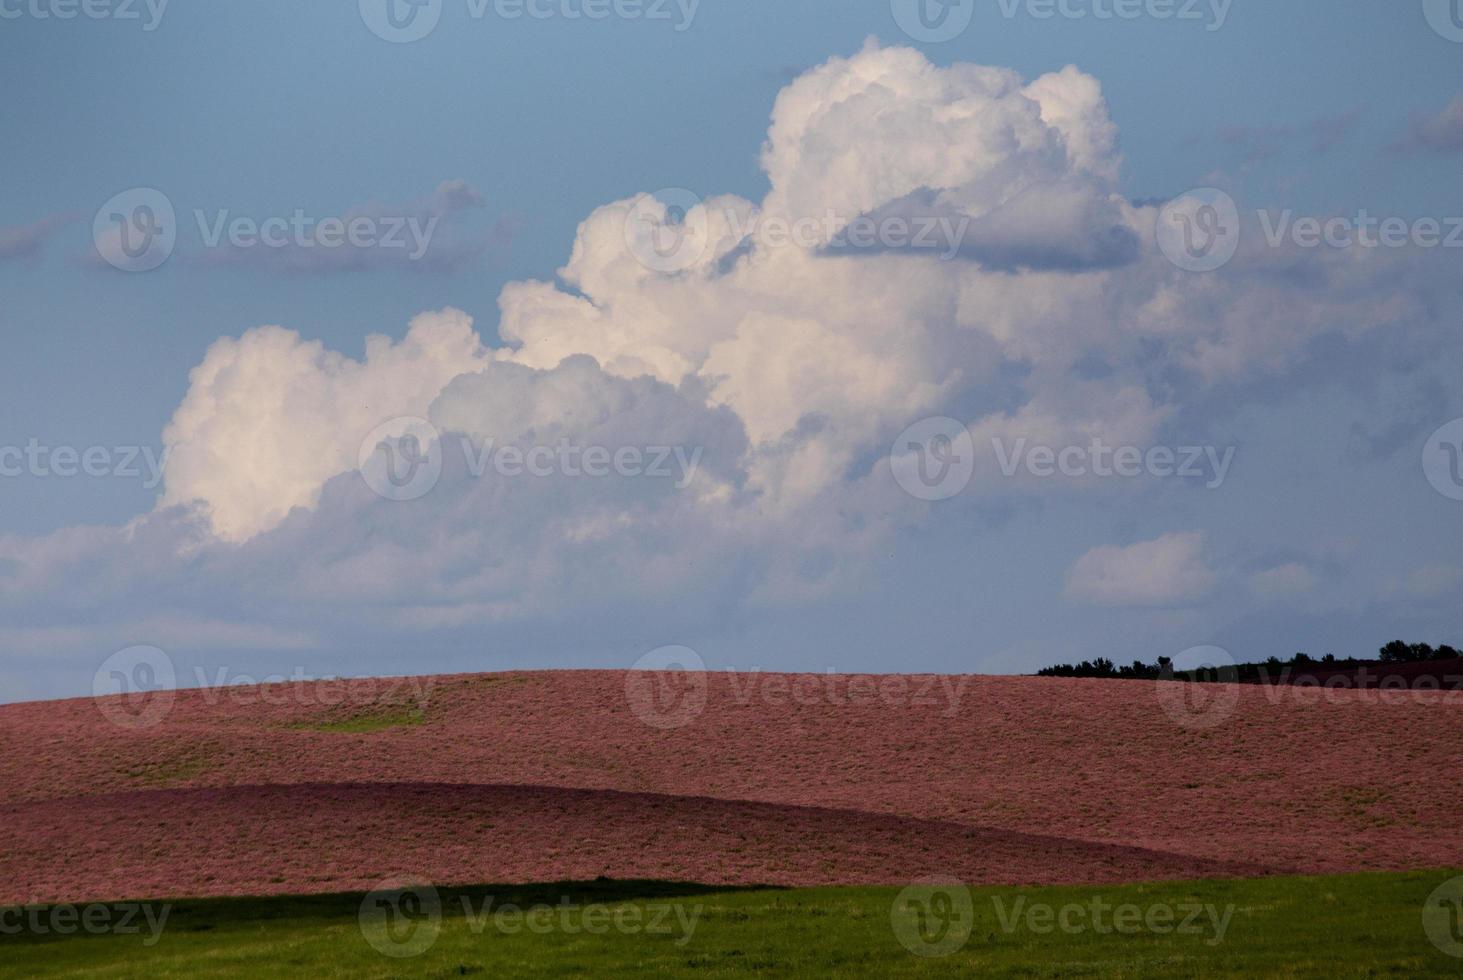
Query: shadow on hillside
point(456, 902)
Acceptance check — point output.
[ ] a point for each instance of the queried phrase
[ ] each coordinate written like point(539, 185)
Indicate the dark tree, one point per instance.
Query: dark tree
point(1396, 652)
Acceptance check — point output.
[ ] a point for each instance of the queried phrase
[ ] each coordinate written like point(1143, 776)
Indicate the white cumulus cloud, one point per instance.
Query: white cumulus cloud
point(790, 366)
point(1165, 571)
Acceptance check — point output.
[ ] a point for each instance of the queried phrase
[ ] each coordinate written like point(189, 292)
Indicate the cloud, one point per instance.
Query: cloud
point(26, 241)
point(1400, 417)
point(269, 418)
point(1068, 227)
point(1440, 133)
point(787, 369)
point(1169, 570)
point(418, 236)
point(1438, 580)
point(1283, 581)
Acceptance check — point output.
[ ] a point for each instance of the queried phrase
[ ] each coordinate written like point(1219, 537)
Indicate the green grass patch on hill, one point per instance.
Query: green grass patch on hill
point(1358, 925)
point(368, 721)
point(171, 771)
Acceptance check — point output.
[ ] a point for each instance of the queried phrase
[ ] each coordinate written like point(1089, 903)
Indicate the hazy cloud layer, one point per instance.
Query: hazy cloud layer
point(1442, 133)
point(24, 241)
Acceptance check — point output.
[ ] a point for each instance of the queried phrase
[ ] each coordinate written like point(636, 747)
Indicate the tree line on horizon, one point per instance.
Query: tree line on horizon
point(1396, 652)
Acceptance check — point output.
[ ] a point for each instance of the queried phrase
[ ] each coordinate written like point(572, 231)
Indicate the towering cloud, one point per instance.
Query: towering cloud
point(775, 339)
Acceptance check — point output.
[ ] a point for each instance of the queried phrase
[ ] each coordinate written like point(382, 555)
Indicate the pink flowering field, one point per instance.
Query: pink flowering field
point(772, 779)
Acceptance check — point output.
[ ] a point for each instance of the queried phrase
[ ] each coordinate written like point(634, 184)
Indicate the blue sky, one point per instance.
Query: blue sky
point(266, 108)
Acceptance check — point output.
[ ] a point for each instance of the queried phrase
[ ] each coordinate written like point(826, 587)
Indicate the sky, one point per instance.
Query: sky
point(637, 226)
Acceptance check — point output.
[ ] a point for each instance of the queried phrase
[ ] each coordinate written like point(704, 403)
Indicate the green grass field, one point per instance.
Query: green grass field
point(1359, 925)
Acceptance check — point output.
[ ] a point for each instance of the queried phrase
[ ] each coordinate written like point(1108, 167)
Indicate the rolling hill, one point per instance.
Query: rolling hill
point(723, 779)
